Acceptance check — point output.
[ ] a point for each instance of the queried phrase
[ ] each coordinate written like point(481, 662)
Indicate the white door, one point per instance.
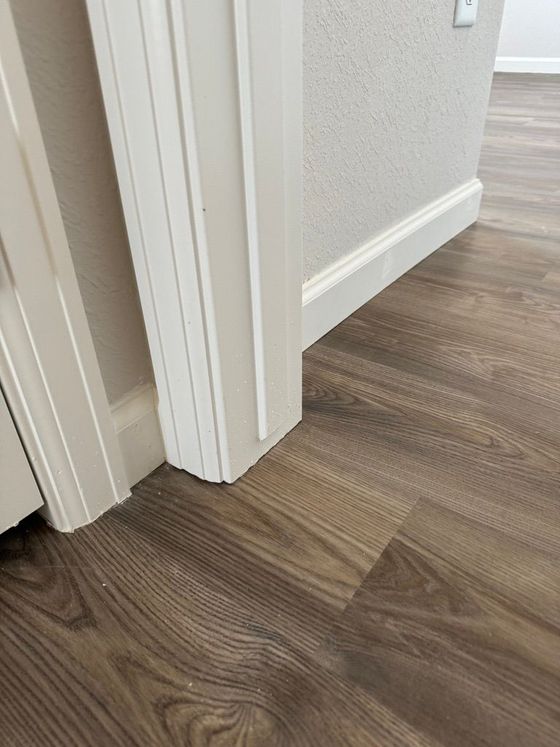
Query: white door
point(19, 494)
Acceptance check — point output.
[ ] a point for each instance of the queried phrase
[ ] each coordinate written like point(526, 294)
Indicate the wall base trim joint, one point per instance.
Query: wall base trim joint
point(136, 422)
point(549, 65)
point(335, 293)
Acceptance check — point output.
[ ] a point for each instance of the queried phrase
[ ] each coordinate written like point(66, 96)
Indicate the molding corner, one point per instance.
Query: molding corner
point(547, 65)
point(138, 432)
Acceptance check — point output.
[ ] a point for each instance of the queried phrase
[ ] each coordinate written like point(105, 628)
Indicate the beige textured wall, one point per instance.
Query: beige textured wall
point(394, 108)
point(394, 103)
point(56, 44)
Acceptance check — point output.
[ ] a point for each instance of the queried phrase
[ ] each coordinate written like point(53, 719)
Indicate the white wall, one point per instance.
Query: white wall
point(395, 102)
point(530, 29)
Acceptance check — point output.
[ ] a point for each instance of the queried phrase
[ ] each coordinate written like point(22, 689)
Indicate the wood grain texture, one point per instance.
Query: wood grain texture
point(389, 575)
point(456, 630)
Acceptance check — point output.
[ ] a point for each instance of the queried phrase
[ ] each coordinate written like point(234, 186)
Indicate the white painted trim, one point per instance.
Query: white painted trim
point(204, 112)
point(334, 294)
point(138, 431)
point(150, 197)
point(549, 65)
point(48, 368)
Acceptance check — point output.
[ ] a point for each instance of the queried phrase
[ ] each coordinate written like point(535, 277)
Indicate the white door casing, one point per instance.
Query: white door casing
point(48, 369)
point(203, 102)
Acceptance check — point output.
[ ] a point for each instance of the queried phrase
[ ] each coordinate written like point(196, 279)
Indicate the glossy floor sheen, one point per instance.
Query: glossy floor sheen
point(389, 574)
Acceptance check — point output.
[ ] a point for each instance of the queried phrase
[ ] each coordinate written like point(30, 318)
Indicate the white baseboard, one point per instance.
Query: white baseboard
point(338, 291)
point(136, 422)
point(527, 65)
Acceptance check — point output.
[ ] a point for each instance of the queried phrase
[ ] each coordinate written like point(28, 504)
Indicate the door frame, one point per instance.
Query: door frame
point(49, 372)
point(203, 101)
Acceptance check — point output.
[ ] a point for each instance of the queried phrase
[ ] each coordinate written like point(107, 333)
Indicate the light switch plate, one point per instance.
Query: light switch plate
point(465, 12)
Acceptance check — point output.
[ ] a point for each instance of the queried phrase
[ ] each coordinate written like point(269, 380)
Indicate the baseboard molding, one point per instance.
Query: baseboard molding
point(138, 430)
point(334, 294)
point(549, 65)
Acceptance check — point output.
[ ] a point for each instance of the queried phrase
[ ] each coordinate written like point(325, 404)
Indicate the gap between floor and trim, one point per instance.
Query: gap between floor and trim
point(335, 293)
point(550, 65)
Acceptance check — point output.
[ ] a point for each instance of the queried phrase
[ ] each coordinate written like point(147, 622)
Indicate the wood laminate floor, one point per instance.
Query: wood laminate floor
point(389, 575)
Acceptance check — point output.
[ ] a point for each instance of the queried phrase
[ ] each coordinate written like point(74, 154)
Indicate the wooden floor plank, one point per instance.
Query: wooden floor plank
point(457, 630)
point(157, 657)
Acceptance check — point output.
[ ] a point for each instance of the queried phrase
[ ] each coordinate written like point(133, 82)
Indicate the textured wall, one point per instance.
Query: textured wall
point(394, 107)
point(55, 40)
point(530, 29)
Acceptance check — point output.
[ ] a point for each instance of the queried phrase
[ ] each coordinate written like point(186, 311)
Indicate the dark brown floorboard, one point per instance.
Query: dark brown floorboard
point(457, 630)
point(389, 575)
